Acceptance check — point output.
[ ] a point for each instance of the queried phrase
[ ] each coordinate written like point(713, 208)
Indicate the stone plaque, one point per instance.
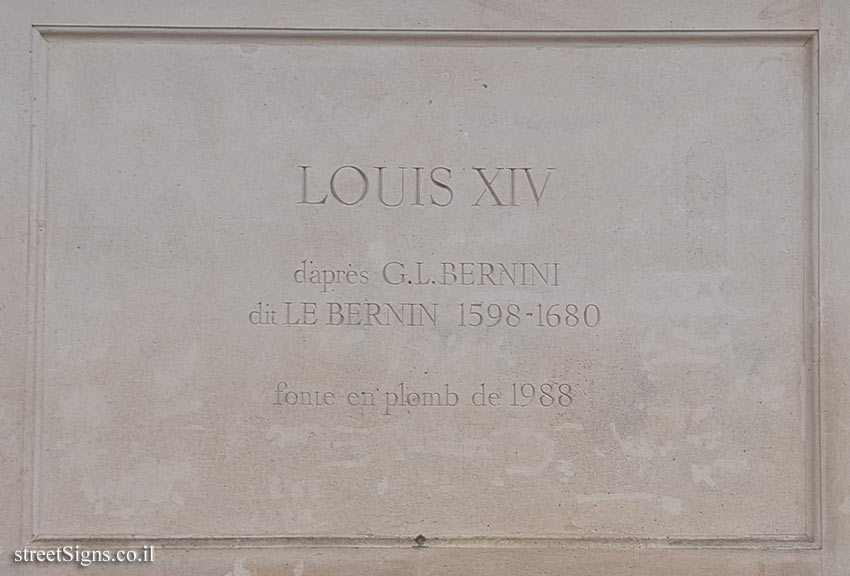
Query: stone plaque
point(457, 284)
point(352, 292)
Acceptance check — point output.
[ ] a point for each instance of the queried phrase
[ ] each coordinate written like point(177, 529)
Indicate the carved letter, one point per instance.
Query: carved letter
point(442, 185)
point(537, 196)
point(304, 188)
point(362, 193)
point(489, 186)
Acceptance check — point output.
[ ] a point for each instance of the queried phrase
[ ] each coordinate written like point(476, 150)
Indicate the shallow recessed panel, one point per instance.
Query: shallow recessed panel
point(500, 286)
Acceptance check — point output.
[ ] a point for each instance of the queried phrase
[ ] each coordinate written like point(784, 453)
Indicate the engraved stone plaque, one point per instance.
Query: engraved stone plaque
point(462, 285)
point(466, 288)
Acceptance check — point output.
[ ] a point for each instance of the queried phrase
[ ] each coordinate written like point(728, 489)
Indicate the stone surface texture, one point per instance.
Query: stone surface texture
point(478, 287)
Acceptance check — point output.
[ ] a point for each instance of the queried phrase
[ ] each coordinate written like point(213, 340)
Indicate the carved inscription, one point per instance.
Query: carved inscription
point(350, 185)
point(449, 304)
point(552, 395)
point(447, 275)
point(418, 186)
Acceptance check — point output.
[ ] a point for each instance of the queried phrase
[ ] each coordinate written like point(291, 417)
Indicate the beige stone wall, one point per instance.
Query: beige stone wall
point(471, 287)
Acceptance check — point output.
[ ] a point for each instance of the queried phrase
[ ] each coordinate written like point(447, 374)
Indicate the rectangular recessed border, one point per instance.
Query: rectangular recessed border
point(43, 35)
